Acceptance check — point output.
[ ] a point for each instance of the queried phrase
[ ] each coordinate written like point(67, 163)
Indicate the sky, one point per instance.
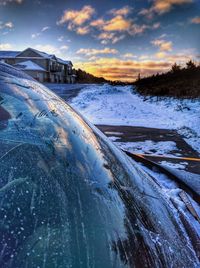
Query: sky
point(116, 39)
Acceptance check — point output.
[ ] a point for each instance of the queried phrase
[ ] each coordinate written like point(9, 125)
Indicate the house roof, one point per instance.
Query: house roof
point(48, 56)
point(64, 61)
point(29, 66)
point(42, 54)
point(8, 54)
point(13, 54)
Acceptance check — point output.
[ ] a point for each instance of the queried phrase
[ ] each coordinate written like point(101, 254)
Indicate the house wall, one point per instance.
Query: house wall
point(62, 76)
point(39, 76)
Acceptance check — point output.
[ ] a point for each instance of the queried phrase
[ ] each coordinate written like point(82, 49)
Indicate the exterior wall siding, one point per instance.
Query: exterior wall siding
point(56, 72)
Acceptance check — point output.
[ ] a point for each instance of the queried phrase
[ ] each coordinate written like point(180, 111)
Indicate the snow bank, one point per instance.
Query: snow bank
point(118, 105)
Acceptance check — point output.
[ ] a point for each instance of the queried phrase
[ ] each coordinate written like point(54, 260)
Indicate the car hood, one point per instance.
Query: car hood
point(69, 197)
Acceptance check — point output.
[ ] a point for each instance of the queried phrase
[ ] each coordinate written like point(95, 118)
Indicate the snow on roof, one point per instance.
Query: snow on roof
point(29, 66)
point(64, 61)
point(8, 54)
point(42, 54)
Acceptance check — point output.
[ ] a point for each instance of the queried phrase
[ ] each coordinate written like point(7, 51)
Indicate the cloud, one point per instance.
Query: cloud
point(5, 2)
point(162, 45)
point(118, 38)
point(162, 6)
point(121, 24)
point(129, 56)
point(77, 17)
point(118, 23)
point(195, 20)
point(64, 47)
point(82, 30)
point(160, 55)
point(80, 21)
point(35, 35)
point(94, 52)
point(124, 70)
point(45, 28)
point(7, 25)
point(60, 38)
point(107, 37)
point(5, 46)
point(124, 11)
point(181, 58)
point(52, 50)
point(109, 30)
point(97, 23)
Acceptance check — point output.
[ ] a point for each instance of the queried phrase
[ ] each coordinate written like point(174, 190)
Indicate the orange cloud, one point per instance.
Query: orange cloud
point(117, 23)
point(97, 23)
point(77, 17)
point(122, 11)
point(160, 55)
point(162, 44)
point(162, 6)
point(82, 30)
point(121, 24)
point(124, 70)
point(195, 20)
point(127, 69)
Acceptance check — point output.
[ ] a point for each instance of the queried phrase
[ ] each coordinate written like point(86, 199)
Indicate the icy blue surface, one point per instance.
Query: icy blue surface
point(69, 198)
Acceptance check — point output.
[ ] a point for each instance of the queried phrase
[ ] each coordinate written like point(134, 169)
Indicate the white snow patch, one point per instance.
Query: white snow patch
point(29, 66)
point(147, 147)
point(180, 165)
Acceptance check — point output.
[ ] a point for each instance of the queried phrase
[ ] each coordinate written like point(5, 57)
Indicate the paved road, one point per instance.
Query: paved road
point(66, 91)
point(140, 134)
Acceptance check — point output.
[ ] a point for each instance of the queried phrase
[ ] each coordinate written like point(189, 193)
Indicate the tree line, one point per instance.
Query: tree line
point(180, 82)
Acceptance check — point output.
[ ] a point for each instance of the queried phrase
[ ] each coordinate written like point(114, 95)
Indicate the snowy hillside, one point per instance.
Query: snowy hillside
point(109, 105)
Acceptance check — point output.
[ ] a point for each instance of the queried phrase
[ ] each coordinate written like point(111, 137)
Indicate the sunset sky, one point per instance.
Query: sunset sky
point(115, 39)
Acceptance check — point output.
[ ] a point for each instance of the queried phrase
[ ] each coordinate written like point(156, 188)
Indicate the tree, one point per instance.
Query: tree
point(139, 77)
point(175, 68)
point(190, 65)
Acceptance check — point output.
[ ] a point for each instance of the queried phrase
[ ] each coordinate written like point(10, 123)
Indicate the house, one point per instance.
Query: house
point(40, 65)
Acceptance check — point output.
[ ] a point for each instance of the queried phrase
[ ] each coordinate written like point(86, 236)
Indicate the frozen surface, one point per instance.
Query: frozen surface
point(70, 198)
point(121, 105)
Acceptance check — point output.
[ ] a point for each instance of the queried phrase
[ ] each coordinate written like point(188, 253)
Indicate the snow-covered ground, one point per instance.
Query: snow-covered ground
point(121, 105)
point(148, 147)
